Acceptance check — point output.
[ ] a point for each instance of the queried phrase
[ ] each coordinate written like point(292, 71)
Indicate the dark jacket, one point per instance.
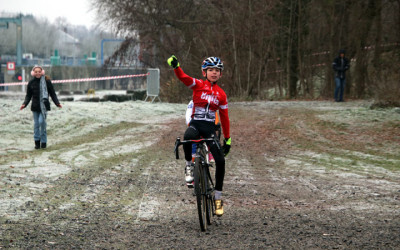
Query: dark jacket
point(340, 65)
point(33, 92)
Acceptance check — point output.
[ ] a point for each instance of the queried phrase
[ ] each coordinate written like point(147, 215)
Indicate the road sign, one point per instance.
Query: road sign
point(10, 65)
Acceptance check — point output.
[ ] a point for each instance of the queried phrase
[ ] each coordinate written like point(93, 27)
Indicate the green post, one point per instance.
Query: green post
point(19, 43)
point(55, 60)
point(92, 60)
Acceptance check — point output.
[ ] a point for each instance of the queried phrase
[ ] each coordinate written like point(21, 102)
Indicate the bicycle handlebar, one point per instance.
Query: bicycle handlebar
point(178, 142)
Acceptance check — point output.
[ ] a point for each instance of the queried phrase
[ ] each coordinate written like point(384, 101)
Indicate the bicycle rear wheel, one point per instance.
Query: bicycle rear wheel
point(199, 187)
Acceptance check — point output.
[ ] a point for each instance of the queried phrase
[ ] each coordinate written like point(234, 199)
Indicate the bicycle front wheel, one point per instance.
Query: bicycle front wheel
point(199, 187)
point(208, 196)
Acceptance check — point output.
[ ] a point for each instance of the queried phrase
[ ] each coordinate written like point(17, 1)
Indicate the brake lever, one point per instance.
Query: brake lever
point(216, 142)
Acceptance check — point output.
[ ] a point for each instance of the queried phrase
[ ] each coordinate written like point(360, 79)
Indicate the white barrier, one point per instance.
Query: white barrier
point(153, 85)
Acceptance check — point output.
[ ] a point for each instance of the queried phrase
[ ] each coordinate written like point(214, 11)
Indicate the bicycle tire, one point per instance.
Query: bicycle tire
point(207, 185)
point(208, 196)
point(199, 190)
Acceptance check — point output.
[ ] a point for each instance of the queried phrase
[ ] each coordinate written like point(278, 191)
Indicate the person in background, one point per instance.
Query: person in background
point(38, 90)
point(340, 65)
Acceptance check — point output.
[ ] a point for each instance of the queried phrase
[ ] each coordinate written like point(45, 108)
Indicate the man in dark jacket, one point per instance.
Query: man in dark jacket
point(340, 65)
point(40, 104)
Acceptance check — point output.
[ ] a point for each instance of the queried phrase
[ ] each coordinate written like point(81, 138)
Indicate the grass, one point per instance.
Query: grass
point(93, 136)
point(78, 180)
point(353, 139)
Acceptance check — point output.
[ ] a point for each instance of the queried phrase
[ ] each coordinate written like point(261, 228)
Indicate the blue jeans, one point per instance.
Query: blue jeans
point(39, 127)
point(339, 89)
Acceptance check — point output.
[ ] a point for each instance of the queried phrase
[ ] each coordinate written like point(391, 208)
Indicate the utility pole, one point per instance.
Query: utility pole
point(18, 22)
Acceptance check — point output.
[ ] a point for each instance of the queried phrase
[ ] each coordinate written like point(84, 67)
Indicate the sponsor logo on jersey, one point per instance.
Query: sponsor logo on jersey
point(210, 98)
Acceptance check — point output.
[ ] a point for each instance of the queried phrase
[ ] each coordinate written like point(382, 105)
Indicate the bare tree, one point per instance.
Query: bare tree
point(277, 48)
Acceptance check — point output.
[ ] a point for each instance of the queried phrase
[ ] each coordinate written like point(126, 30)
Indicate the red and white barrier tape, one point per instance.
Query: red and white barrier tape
point(79, 80)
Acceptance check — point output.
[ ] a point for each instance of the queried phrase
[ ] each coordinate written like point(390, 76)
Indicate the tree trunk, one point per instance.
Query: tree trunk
point(361, 68)
point(300, 47)
point(235, 69)
point(291, 54)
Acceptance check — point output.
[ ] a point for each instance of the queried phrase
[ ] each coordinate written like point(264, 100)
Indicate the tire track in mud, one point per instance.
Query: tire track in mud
point(73, 176)
point(148, 202)
point(93, 189)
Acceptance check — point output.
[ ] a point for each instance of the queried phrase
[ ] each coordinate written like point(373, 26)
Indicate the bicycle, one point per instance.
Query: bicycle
point(203, 183)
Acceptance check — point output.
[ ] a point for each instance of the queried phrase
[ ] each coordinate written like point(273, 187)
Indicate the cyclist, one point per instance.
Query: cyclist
point(208, 98)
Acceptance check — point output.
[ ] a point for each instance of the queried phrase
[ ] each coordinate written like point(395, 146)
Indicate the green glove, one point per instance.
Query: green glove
point(173, 62)
point(227, 146)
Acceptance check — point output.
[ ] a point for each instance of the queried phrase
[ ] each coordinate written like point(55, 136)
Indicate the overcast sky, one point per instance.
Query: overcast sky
point(77, 12)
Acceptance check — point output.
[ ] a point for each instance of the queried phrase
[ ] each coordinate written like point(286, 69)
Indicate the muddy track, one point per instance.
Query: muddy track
point(306, 175)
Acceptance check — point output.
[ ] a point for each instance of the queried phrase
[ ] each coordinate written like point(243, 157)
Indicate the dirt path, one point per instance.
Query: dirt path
point(300, 175)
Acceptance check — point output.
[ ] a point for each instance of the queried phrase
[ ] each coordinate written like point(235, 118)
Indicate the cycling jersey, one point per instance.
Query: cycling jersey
point(207, 99)
point(189, 113)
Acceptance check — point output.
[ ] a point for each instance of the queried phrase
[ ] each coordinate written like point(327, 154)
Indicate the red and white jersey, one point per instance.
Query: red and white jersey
point(207, 99)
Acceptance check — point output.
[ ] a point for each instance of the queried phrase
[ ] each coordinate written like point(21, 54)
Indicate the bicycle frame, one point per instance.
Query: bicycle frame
point(201, 151)
point(204, 186)
point(202, 154)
